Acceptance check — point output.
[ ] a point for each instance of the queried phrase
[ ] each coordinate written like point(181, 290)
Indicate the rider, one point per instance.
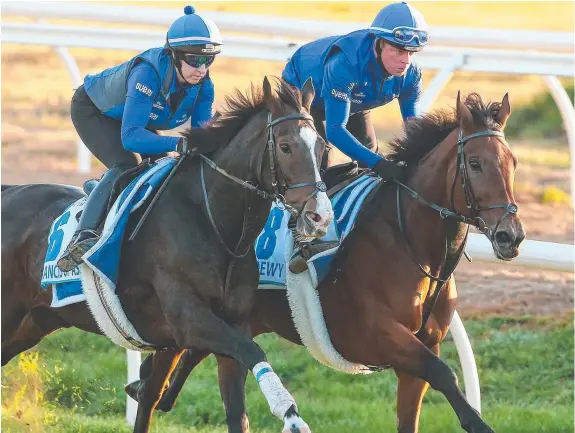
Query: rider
point(117, 111)
point(357, 72)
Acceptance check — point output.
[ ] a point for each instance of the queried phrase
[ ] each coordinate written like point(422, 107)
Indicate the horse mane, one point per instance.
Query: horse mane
point(237, 110)
point(422, 134)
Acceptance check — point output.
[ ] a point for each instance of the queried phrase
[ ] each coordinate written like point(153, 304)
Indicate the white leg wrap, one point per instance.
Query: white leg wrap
point(277, 396)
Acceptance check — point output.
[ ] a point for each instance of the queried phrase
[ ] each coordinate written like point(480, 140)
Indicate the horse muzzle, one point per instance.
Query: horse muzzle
point(315, 218)
point(316, 214)
point(506, 241)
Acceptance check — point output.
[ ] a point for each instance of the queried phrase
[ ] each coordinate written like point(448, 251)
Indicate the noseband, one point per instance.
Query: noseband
point(471, 201)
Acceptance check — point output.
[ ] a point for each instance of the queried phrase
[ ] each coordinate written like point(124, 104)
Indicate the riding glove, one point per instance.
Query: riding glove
point(183, 147)
point(387, 170)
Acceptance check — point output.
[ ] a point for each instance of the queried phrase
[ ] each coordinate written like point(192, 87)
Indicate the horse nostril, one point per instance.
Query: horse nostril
point(315, 217)
point(503, 238)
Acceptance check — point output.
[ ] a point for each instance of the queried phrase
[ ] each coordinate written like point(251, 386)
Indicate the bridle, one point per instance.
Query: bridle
point(470, 200)
point(472, 204)
point(278, 188)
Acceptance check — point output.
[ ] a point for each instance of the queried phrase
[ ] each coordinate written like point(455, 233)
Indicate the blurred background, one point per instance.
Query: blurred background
point(519, 319)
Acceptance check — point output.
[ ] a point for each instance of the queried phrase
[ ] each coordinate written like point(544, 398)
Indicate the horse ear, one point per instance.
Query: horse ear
point(504, 111)
point(307, 94)
point(270, 98)
point(464, 117)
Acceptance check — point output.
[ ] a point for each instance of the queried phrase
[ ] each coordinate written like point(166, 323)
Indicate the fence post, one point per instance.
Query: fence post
point(134, 359)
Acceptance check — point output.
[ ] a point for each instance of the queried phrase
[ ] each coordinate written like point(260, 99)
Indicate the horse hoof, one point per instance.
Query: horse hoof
point(297, 429)
point(293, 423)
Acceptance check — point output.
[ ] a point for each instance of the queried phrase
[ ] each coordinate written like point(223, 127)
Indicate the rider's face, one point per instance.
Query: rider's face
point(192, 75)
point(395, 60)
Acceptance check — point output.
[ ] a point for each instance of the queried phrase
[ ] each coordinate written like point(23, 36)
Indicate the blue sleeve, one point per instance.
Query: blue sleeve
point(203, 109)
point(338, 82)
point(143, 85)
point(410, 96)
point(336, 117)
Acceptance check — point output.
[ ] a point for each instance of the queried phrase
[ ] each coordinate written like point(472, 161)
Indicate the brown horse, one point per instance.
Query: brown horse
point(384, 301)
point(179, 297)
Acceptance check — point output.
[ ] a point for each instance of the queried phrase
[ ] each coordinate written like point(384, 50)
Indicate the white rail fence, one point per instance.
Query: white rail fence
point(288, 27)
point(463, 52)
point(556, 61)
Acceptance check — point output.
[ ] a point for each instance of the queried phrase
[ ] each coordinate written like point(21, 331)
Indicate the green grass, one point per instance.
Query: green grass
point(525, 367)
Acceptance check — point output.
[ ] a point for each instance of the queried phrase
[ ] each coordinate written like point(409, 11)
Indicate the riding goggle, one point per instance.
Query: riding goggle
point(405, 35)
point(196, 61)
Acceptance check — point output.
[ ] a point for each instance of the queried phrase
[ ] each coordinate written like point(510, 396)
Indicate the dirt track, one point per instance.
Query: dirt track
point(483, 288)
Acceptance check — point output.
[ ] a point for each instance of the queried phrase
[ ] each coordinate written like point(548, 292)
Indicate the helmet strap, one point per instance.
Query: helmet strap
point(178, 64)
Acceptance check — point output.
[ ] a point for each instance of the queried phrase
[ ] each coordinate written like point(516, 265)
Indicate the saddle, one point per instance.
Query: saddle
point(339, 176)
point(121, 183)
point(336, 178)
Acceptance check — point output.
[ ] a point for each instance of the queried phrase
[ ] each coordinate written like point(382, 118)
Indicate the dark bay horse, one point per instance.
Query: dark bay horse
point(188, 280)
point(382, 302)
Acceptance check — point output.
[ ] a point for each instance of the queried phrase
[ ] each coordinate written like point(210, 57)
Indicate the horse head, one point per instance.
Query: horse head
point(485, 168)
point(294, 150)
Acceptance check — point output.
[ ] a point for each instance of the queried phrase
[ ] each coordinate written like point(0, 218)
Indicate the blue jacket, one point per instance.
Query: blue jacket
point(138, 92)
point(348, 79)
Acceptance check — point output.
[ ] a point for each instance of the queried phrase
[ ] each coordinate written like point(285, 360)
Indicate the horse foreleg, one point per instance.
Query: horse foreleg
point(189, 360)
point(150, 391)
point(196, 326)
point(232, 378)
point(406, 354)
point(410, 392)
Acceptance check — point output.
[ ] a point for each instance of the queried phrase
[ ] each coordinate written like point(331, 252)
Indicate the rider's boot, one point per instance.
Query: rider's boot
point(298, 263)
point(86, 234)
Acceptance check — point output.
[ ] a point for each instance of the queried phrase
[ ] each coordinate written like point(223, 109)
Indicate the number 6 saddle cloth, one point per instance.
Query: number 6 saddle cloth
point(104, 257)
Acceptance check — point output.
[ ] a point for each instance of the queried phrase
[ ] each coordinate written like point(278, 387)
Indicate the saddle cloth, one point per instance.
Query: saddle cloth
point(104, 257)
point(274, 246)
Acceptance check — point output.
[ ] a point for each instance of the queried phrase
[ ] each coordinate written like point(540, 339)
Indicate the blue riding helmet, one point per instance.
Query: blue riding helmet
point(401, 25)
point(194, 34)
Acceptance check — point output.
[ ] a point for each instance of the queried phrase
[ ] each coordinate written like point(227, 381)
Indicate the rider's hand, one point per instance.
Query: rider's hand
point(183, 148)
point(388, 170)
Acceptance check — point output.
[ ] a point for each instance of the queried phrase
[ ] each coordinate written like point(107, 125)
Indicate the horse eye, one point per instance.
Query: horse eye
point(475, 164)
point(284, 146)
